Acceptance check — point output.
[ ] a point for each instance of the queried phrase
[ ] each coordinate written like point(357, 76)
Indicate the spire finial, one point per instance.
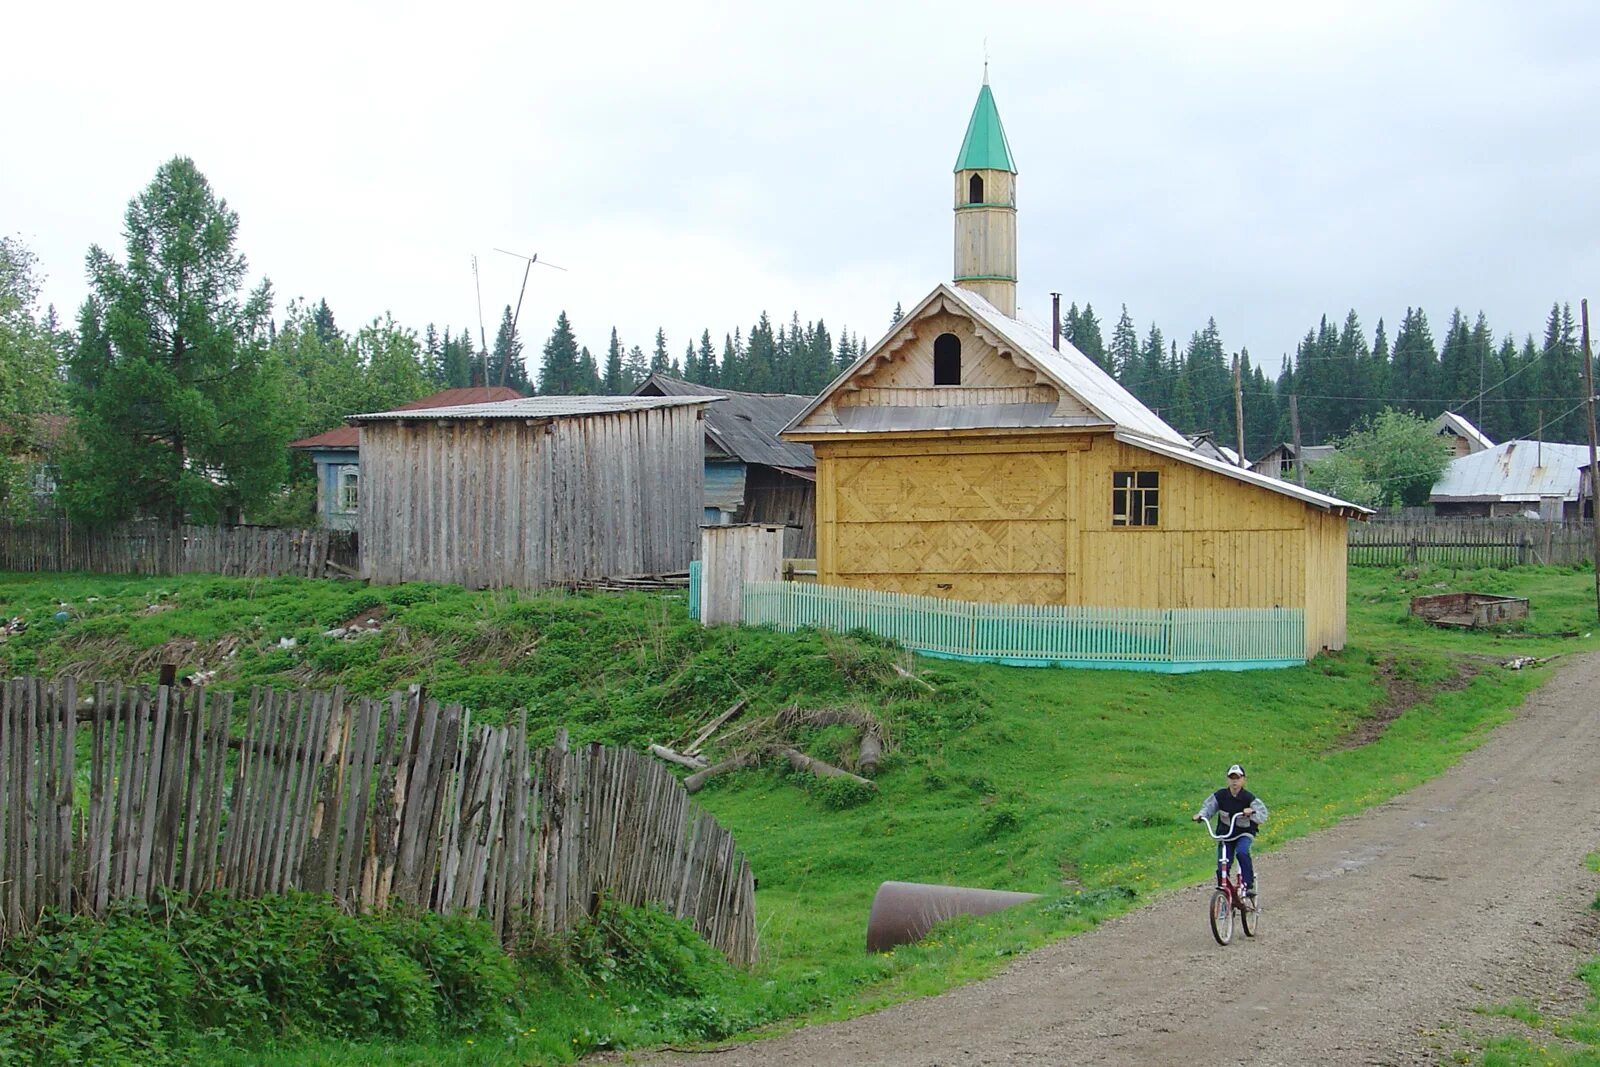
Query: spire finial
point(986, 61)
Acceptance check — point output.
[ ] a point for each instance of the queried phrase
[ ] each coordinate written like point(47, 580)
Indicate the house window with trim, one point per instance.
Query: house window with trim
point(947, 359)
point(1135, 498)
point(349, 488)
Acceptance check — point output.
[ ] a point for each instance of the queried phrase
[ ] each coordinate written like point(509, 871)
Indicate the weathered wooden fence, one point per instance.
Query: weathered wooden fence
point(1469, 542)
point(370, 801)
point(154, 548)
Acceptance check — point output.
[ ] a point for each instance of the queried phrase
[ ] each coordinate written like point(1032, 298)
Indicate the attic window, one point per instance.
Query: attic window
point(975, 189)
point(1135, 498)
point(947, 359)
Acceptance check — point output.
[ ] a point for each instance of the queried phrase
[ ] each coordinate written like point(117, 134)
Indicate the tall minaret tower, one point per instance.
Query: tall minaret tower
point(986, 208)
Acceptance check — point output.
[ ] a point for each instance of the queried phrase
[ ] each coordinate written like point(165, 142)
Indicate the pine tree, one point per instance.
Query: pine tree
point(559, 373)
point(707, 361)
point(614, 382)
point(322, 322)
point(1123, 357)
point(1154, 378)
point(659, 360)
point(1415, 366)
point(588, 373)
point(635, 369)
point(433, 357)
point(456, 362)
point(689, 372)
point(898, 314)
point(506, 365)
point(1561, 378)
point(1086, 338)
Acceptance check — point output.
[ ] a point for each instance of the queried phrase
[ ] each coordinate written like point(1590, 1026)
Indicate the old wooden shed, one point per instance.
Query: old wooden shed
point(534, 492)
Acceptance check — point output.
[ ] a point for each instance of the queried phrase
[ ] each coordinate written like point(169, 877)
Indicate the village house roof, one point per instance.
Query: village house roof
point(985, 146)
point(1516, 471)
point(1111, 406)
point(538, 407)
point(746, 426)
point(350, 436)
point(1461, 427)
point(1072, 372)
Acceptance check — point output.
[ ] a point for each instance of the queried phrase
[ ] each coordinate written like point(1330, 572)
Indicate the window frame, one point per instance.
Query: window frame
point(1136, 499)
point(943, 360)
point(347, 489)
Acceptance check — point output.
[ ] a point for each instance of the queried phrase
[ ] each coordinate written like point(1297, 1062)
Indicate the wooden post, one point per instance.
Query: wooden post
point(1294, 428)
point(1238, 408)
point(1594, 468)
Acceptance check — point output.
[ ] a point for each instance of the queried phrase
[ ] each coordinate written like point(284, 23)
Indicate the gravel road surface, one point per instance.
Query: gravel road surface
point(1379, 935)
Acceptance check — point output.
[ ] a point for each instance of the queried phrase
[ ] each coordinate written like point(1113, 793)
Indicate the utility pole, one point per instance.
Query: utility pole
point(1594, 467)
point(1238, 408)
point(1294, 428)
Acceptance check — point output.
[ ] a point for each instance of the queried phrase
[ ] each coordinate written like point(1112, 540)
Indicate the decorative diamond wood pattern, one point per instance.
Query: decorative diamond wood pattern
point(947, 487)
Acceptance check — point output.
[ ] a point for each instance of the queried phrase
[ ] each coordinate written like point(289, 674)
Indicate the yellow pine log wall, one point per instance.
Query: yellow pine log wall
point(1027, 519)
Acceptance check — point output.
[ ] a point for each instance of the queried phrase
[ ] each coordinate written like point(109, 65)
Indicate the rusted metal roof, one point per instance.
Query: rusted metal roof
point(745, 426)
point(1521, 471)
point(540, 407)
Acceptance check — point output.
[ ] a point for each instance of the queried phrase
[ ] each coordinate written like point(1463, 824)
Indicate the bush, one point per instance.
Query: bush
point(144, 984)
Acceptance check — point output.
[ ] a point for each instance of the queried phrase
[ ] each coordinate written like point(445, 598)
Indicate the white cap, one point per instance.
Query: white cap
point(1236, 769)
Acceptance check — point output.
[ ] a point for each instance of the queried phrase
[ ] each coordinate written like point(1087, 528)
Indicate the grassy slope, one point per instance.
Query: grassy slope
point(1074, 784)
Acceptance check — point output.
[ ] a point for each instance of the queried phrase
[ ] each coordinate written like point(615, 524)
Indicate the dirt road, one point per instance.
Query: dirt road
point(1467, 890)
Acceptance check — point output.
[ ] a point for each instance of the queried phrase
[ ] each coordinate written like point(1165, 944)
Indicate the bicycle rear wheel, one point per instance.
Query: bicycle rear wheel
point(1221, 915)
point(1250, 917)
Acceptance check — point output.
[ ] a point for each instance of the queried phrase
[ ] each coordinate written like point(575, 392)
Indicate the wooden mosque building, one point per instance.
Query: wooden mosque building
point(965, 456)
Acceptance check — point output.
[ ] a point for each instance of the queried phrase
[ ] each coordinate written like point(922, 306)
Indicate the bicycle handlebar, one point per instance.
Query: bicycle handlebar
point(1233, 821)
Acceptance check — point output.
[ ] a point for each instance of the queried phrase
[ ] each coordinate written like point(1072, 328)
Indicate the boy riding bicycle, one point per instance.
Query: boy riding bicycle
point(1234, 799)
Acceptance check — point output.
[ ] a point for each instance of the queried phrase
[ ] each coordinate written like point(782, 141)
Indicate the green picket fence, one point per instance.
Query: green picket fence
point(1170, 640)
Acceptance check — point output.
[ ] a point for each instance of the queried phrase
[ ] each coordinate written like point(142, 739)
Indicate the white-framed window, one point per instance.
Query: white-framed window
point(1135, 498)
point(349, 498)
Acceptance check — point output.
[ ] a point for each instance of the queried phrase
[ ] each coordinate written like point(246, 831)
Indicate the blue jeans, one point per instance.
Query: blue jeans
point(1241, 852)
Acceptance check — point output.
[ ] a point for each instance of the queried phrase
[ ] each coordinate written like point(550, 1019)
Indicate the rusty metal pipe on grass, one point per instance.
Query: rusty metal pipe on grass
point(902, 912)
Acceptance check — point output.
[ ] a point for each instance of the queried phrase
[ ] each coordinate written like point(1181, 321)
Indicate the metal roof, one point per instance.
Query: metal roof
point(1513, 471)
point(540, 407)
point(746, 425)
point(1459, 425)
point(1243, 474)
point(985, 147)
point(350, 436)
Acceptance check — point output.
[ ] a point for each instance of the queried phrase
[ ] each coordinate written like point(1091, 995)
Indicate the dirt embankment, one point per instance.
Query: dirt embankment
point(1380, 935)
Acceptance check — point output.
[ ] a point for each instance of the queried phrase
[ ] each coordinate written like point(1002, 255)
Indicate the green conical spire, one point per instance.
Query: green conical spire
point(985, 147)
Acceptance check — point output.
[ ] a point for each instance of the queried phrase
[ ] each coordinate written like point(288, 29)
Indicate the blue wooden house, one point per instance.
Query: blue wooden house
point(752, 475)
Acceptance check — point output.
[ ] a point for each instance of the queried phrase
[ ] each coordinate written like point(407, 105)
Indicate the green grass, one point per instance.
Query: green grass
point(1073, 784)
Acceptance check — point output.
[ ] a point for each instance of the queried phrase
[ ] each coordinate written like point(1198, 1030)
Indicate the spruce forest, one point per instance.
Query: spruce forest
point(222, 382)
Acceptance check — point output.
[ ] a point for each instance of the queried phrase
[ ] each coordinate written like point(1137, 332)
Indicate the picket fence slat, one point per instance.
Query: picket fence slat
point(370, 801)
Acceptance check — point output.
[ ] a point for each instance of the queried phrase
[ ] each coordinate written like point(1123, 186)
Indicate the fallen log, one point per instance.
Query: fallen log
point(802, 762)
point(696, 781)
point(694, 763)
point(716, 724)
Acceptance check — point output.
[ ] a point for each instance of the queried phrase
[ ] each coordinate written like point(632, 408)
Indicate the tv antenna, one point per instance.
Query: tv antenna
point(530, 262)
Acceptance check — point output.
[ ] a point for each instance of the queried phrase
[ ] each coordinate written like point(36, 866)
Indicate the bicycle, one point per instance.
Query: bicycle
point(1229, 899)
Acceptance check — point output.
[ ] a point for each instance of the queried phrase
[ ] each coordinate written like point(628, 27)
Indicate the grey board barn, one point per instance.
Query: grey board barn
point(533, 492)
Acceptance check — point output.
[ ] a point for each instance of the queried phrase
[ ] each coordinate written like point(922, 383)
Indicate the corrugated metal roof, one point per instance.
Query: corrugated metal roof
point(1242, 474)
point(1513, 471)
point(744, 425)
point(350, 436)
point(541, 407)
point(878, 418)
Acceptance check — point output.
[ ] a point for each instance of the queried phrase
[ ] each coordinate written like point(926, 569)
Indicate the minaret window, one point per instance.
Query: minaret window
point(975, 190)
point(947, 359)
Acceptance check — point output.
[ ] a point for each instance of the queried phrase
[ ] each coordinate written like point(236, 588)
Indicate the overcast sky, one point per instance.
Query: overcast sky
point(693, 164)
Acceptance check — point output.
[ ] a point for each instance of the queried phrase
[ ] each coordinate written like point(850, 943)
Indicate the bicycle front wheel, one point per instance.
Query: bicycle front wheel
point(1250, 917)
point(1221, 914)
